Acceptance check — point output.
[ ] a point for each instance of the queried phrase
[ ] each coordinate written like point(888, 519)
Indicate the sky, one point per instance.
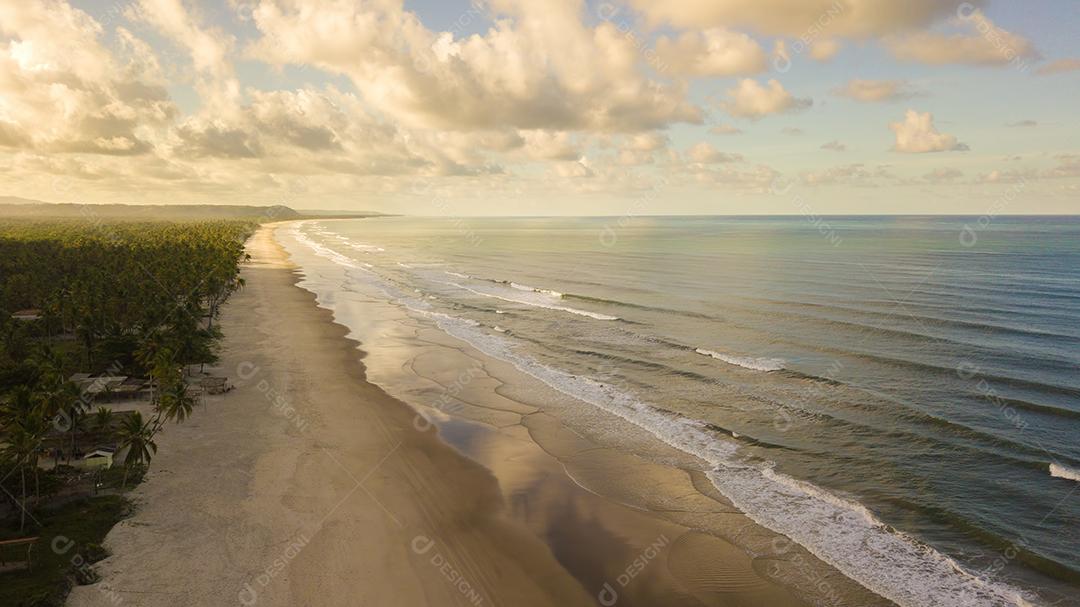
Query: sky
point(546, 107)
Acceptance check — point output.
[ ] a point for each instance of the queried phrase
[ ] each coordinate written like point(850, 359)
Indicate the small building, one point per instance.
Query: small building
point(100, 458)
point(132, 388)
point(27, 315)
point(215, 385)
point(97, 386)
point(17, 553)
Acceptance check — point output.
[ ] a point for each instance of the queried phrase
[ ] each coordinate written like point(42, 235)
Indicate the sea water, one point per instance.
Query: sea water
point(899, 397)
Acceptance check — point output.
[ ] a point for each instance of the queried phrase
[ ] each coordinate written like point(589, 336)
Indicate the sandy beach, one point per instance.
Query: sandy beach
point(308, 485)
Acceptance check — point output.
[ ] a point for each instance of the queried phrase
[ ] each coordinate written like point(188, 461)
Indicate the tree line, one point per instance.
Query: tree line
point(126, 298)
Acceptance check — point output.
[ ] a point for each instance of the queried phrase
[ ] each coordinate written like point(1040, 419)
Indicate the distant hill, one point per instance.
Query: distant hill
point(12, 207)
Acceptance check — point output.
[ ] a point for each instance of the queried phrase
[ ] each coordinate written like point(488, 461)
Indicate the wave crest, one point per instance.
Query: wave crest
point(746, 362)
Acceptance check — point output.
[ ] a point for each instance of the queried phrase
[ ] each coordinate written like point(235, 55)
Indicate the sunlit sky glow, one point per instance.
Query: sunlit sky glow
point(546, 107)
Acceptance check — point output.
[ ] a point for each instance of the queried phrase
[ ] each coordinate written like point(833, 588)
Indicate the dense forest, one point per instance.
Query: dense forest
point(118, 298)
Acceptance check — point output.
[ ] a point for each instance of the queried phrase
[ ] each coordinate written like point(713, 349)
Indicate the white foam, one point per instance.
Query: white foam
point(756, 364)
point(846, 535)
point(1064, 472)
point(325, 252)
point(352, 244)
point(367, 248)
point(521, 287)
point(537, 303)
point(837, 530)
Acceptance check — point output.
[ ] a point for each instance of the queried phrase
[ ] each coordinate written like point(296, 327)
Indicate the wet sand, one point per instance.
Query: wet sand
point(308, 485)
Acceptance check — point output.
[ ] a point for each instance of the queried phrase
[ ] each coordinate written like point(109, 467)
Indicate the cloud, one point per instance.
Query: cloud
point(983, 44)
point(824, 50)
point(792, 131)
point(705, 153)
point(749, 99)
point(916, 134)
point(869, 91)
point(647, 142)
point(591, 77)
point(754, 180)
point(210, 139)
point(943, 175)
point(1059, 67)
point(799, 18)
point(209, 48)
point(725, 129)
point(641, 148)
point(713, 52)
point(1023, 124)
point(62, 91)
point(550, 145)
point(1068, 166)
point(286, 123)
point(575, 169)
point(1008, 176)
point(852, 174)
point(12, 135)
point(533, 99)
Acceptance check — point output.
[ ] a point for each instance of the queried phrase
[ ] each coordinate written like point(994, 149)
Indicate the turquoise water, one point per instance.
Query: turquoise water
point(845, 379)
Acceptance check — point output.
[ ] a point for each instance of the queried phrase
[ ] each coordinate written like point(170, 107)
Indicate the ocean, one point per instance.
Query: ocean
point(899, 395)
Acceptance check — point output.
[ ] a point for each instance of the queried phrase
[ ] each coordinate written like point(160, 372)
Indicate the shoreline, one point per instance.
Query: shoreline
point(308, 484)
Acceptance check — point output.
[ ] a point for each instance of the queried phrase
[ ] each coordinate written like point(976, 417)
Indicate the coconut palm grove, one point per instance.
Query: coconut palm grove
point(95, 313)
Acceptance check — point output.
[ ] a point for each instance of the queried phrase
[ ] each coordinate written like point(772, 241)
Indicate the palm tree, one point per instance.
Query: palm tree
point(174, 401)
point(138, 437)
point(75, 412)
point(64, 396)
point(101, 418)
point(19, 406)
point(23, 445)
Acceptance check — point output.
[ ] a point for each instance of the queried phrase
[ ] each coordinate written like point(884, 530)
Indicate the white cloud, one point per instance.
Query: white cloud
point(1068, 166)
point(851, 174)
point(825, 49)
point(550, 145)
point(706, 153)
point(875, 90)
point(749, 99)
point(574, 169)
point(209, 49)
point(591, 77)
point(1007, 176)
point(641, 149)
point(916, 134)
point(754, 180)
point(62, 91)
point(984, 43)
point(713, 52)
point(542, 99)
point(1060, 66)
point(725, 129)
point(800, 18)
point(943, 175)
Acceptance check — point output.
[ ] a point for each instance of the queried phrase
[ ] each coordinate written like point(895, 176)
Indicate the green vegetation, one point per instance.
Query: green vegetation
point(135, 299)
point(70, 541)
